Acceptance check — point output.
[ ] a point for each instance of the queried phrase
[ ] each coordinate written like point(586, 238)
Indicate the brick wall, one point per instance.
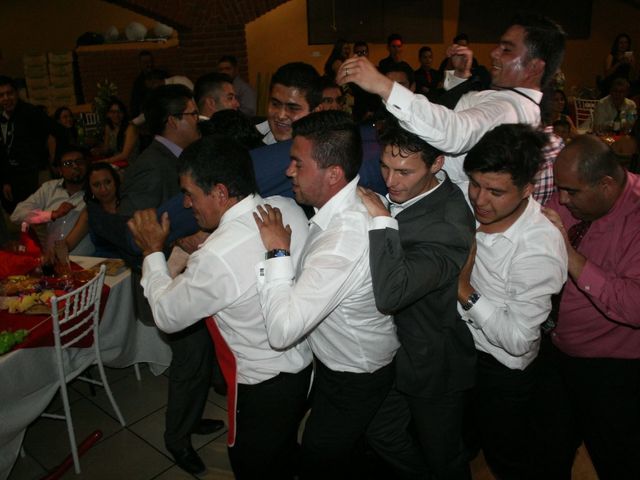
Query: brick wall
point(207, 29)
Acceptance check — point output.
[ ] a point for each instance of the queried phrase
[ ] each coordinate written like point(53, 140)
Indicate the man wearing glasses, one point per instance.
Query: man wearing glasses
point(58, 203)
point(172, 117)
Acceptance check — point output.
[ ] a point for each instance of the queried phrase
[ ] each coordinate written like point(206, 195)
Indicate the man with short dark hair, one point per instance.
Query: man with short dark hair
point(58, 204)
point(596, 344)
point(294, 92)
point(24, 137)
point(228, 64)
point(427, 78)
point(529, 53)
point(332, 97)
point(394, 46)
point(417, 251)
point(214, 92)
point(504, 293)
point(327, 297)
point(172, 116)
point(217, 179)
point(615, 112)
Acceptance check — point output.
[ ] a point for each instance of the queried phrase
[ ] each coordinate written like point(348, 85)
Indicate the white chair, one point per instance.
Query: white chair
point(584, 113)
point(90, 121)
point(75, 316)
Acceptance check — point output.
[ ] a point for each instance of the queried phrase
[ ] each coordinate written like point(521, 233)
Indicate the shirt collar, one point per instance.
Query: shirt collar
point(396, 208)
point(173, 148)
point(247, 204)
point(512, 233)
point(335, 204)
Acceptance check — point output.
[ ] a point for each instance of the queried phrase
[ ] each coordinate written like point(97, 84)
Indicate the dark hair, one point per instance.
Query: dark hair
point(402, 67)
point(327, 82)
point(544, 39)
point(61, 152)
point(392, 37)
point(97, 166)
point(423, 49)
point(4, 80)
point(216, 159)
point(302, 76)
point(122, 129)
point(515, 149)
point(155, 74)
point(394, 135)
point(360, 43)
point(145, 53)
point(614, 46)
point(336, 140)
point(461, 36)
point(228, 58)
point(595, 159)
point(232, 124)
point(58, 113)
point(620, 82)
point(565, 110)
point(209, 85)
point(162, 102)
point(336, 54)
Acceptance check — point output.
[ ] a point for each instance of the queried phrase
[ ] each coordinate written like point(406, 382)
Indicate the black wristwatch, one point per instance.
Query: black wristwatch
point(471, 301)
point(277, 252)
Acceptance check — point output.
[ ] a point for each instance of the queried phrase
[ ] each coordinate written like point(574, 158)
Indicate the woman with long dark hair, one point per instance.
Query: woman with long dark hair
point(120, 136)
point(620, 63)
point(341, 51)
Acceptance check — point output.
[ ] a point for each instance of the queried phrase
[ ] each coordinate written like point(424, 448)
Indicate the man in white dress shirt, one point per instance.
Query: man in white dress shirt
point(329, 297)
point(219, 186)
point(527, 56)
point(504, 292)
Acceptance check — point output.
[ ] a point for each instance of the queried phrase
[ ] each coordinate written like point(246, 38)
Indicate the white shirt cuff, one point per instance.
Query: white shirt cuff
point(382, 222)
point(153, 263)
point(278, 269)
point(399, 99)
point(477, 315)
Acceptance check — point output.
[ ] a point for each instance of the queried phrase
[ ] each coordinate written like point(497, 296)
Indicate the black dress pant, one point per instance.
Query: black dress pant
point(500, 417)
point(595, 400)
point(268, 416)
point(421, 437)
point(342, 406)
point(189, 381)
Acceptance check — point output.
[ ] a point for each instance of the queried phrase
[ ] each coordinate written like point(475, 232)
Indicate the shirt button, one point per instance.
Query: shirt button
point(587, 288)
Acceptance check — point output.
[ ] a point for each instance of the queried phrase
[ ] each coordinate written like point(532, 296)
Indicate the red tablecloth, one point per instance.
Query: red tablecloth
point(42, 334)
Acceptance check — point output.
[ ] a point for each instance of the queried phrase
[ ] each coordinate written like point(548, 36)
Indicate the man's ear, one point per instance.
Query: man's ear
point(335, 174)
point(536, 66)
point(528, 190)
point(437, 164)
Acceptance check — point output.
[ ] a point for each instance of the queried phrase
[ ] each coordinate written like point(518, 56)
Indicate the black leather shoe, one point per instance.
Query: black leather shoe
point(207, 426)
point(188, 460)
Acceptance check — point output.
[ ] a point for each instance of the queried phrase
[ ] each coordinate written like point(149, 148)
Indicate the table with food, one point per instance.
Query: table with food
point(28, 376)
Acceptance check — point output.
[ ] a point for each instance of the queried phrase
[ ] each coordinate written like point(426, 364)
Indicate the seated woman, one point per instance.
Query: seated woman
point(120, 143)
point(560, 111)
point(102, 191)
point(65, 128)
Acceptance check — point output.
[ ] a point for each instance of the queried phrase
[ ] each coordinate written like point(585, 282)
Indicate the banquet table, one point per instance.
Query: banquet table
point(28, 377)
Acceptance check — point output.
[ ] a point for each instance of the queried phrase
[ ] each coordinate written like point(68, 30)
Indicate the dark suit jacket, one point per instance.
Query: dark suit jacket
point(415, 277)
point(151, 180)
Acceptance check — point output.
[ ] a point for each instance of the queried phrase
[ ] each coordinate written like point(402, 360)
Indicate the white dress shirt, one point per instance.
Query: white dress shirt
point(220, 280)
point(516, 272)
point(331, 299)
point(38, 206)
point(605, 112)
point(455, 131)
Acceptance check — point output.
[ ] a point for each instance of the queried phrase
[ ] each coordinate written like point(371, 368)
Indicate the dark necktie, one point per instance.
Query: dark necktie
point(577, 232)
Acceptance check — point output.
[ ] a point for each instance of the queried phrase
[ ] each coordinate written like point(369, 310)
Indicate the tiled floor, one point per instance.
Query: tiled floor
point(134, 452)
point(137, 451)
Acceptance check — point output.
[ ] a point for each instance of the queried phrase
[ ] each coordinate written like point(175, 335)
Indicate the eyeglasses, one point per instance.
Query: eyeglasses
point(361, 53)
point(194, 113)
point(72, 163)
